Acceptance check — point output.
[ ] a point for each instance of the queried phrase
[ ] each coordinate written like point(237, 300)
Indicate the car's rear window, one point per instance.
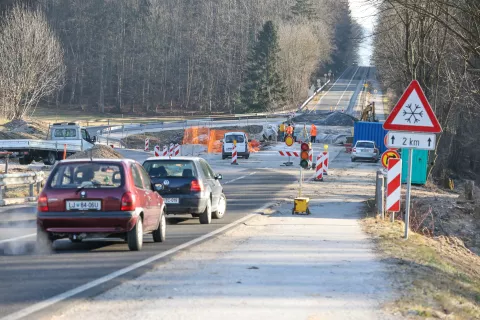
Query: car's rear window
point(231, 137)
point(87, 175)
point(365, 145)
point(170, 168)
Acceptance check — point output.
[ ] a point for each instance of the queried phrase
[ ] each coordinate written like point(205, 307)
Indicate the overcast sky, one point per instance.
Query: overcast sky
point(364, 13)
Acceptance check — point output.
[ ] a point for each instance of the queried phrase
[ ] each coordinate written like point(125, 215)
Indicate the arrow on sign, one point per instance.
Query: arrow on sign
point(393, 139)
point(429, 142)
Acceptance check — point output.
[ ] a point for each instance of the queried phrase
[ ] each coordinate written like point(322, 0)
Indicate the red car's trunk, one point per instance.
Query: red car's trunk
point(110, 198)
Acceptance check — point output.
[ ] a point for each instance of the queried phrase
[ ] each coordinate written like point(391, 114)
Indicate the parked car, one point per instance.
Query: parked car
point(365, 150)
point(100, 198)
point(242, 144)
point(188, 185)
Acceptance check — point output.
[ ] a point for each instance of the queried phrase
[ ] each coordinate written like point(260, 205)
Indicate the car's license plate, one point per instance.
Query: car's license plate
point(84, 205)
point(171, 200)
point(228, 149)
point(364, 150)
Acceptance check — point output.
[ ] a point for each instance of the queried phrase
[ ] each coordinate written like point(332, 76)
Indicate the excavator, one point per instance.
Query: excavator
point(368, 113)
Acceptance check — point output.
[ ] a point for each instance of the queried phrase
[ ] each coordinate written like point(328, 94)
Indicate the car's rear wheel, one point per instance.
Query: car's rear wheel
point(135, 236)
point(224, 157)
point(160, 233)
point(206, 216)
point(247, 156)
point(44, 243)
point(51, 158)
point(221, 207)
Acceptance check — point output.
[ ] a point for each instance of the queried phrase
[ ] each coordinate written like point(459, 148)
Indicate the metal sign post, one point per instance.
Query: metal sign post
point(409, 187)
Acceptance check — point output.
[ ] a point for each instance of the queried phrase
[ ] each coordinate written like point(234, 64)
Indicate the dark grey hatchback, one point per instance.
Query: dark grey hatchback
point(188, 185)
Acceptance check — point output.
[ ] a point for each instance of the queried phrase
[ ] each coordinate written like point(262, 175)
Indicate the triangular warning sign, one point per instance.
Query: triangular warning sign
point(413, 112)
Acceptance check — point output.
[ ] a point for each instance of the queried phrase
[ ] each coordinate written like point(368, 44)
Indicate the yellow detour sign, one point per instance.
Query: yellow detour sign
point(388, 155)
point(289, 140)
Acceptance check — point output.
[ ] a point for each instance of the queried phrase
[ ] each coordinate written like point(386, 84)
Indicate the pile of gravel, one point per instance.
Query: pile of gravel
point(99, 151)
point(340, 119)
point(31, 128)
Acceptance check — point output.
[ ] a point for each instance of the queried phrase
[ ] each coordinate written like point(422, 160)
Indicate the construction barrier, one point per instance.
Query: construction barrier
point(176, 150)
point(319, 168)
point(310, 158)
point(147, 145)
point(234, 155)
point(325, 162)
point(394, 185)
point(157, 151)
point(289, 154)
point(165, 151)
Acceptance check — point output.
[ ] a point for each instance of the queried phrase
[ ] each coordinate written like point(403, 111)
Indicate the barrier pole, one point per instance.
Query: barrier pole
point(64, 151)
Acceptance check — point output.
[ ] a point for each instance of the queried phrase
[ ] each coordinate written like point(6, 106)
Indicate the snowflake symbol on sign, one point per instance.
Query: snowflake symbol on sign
point(412, 114)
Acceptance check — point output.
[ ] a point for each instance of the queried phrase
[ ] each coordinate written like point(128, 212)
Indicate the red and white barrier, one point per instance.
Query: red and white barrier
point(394, 184)
point(310, 158)
point(325, 162)
point(234, 155)
point(319, 168)
point(156, 150)
point(289, 154)
point(176, 151)
point(171, 150)
point(165, 151)
point(147, 144)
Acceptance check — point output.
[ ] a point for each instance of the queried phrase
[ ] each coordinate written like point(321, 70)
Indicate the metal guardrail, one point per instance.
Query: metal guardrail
point(31, 179)
point(313, 96)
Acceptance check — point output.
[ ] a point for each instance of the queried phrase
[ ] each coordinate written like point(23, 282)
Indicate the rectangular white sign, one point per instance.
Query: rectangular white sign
point(423, 141)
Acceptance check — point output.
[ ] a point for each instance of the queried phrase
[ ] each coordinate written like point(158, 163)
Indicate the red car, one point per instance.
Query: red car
point(100, 198)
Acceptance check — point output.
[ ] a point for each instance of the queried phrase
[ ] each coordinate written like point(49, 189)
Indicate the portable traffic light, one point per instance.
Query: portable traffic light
point(304, 154)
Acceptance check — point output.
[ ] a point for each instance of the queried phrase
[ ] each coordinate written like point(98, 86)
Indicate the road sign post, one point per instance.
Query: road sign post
point(413, 114)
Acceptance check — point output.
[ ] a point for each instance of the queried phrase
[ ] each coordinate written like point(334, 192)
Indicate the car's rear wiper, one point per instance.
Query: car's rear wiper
point(80, 188)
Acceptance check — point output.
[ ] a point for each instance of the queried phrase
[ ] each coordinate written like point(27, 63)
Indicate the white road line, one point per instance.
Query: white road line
point(236, 179)
point(68, 294)
point(348, 85)
point(17, 238)
point(320, 100)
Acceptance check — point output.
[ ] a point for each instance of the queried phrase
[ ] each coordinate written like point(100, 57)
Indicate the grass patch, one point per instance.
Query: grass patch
point(437, 277)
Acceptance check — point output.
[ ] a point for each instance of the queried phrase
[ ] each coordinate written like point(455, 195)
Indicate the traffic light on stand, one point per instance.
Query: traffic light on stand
point(304, 154)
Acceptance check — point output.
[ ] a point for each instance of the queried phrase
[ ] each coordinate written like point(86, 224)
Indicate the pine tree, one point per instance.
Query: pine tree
point(304, 8)
point(263, 88)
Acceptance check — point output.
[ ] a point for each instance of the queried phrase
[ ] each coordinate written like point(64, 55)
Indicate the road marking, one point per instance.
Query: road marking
point(236, 179)
point(70, 293)
point(18, 238)
point(348, 85)
point(320, 100)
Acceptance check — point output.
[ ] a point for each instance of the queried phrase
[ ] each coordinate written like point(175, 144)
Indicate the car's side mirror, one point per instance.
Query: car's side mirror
point(158, 187)
point(218, 176)
point(94, 139)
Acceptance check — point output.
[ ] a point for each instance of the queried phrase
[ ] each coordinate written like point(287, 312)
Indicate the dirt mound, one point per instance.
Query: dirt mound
point(340, 119)
point(31, 129)
point(99, 151)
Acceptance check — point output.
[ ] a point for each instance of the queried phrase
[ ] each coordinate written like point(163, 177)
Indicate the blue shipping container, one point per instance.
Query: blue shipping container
point(372, 131)
point(419, 166)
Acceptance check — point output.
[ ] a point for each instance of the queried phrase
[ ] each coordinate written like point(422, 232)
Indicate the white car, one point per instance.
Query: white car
point(365, 150)
point(242, 144)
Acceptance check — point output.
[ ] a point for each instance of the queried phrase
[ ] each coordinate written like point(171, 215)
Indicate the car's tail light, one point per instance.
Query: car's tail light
point(128, 202)
point(375, 151)
point(354, 150)
point(42, 203)
point(196, 186)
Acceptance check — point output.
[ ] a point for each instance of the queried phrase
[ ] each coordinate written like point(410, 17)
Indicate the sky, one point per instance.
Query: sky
point(364, 12)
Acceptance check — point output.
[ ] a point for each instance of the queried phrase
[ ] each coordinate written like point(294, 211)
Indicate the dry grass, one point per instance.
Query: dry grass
point(437, 277)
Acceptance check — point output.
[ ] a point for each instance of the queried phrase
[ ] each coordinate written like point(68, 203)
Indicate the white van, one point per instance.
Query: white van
point(242, 144)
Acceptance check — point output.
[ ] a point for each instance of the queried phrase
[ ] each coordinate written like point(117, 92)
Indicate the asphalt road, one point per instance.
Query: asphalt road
point(338, 96)
point(29, 278)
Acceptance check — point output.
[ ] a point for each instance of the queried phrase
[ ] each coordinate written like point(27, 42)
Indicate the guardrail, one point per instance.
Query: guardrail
point(313, 96)
point(31, 179)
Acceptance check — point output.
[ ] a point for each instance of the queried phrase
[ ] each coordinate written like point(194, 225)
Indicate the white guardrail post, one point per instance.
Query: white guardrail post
point(18, 179)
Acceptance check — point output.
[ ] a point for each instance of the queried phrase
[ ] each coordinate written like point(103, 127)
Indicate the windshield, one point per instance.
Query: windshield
point(365, 145)
point(170, 168)
point(231, 137)
point(87, 175)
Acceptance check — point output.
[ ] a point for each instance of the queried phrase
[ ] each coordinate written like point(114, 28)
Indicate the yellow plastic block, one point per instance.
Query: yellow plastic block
point(301, 204)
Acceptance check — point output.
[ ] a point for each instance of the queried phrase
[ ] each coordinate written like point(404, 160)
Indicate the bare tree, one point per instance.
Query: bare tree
point(31, 62)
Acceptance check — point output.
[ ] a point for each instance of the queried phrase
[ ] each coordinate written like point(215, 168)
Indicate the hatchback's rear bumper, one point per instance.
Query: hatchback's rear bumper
point(187, 203)
point(87, 222)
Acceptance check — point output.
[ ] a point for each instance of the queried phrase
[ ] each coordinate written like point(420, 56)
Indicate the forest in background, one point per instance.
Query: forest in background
point(436, 42)
point(146, 56)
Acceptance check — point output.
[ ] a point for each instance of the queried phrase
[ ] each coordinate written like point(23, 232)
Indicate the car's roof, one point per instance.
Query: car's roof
point(365, 141)
point(229, 133)
point(174, 158)
point(96, 160)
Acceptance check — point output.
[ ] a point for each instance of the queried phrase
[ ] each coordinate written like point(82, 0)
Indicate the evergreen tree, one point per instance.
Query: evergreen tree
point(304, 8)
point(263, 87)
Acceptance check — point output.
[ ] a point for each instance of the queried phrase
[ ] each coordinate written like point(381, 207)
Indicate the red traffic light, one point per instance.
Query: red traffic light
point(305, 146)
